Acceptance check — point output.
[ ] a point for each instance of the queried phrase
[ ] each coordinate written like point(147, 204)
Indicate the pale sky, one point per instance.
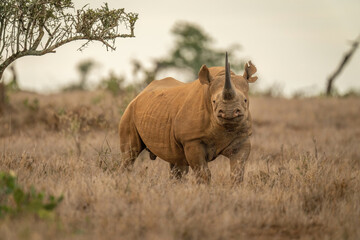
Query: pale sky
point(296, 44)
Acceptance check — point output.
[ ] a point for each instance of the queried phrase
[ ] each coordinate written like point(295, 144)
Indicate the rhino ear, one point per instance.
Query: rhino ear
point(250, 69)
point(204, 75)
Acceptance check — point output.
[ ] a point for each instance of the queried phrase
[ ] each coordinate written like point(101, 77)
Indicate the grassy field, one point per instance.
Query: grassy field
point(302, 179)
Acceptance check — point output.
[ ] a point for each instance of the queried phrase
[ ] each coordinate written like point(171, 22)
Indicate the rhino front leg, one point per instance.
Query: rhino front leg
point(177, 171)
point(196, 157)
point(238, 153)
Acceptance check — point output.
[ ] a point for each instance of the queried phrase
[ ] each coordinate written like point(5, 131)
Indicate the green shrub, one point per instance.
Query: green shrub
point(113, 84)
point(31, 105)
point(14, 200)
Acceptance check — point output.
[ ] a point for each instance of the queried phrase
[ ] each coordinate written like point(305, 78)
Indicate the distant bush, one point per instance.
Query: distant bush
point(113, 84)
point(15, 200)
point(335, 92)
point(274, 90)
point(352, 93)
point(116, 86)
point(31, 105)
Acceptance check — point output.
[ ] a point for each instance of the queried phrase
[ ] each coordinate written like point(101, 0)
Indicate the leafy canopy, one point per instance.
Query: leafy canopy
point(38, 27)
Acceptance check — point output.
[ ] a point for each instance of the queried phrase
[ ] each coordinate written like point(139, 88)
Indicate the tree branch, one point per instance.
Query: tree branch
point(38, 39)
point(344, 61)
point(18, 38)
point(2, 35)
point(34, 52)
point(38, 27)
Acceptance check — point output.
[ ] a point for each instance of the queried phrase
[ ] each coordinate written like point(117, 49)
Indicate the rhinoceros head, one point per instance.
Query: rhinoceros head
point(228, 92)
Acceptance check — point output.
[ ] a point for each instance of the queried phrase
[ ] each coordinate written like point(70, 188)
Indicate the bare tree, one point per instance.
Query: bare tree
point(342, 64)
point(38, 27)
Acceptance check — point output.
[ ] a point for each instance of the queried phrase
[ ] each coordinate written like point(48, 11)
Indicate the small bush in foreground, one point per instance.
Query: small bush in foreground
point(14, 200)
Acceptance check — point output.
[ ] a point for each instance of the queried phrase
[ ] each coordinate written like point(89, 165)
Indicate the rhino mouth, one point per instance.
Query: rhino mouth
point(231, 120)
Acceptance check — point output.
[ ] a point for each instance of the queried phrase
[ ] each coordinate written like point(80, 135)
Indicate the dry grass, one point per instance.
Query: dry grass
point(302, 179)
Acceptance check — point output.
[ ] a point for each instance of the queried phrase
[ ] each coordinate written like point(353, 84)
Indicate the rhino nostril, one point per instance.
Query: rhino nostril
point(238, 113)
point(221, 113)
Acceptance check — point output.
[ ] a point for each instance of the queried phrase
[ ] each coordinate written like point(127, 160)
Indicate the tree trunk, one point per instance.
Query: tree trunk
point(2, 94)
point(345, 60)
point(14, 83)
point(2, 98)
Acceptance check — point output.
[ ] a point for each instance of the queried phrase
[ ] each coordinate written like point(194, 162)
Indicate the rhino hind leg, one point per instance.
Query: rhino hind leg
point(131, 144)
point(178, 171)
point(129, 154)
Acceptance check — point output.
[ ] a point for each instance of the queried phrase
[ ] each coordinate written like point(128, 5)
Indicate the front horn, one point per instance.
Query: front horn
point(228, 92)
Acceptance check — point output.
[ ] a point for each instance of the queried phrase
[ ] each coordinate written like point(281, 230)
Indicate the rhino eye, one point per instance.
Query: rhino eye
point(245, 100)
point(213, 101)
